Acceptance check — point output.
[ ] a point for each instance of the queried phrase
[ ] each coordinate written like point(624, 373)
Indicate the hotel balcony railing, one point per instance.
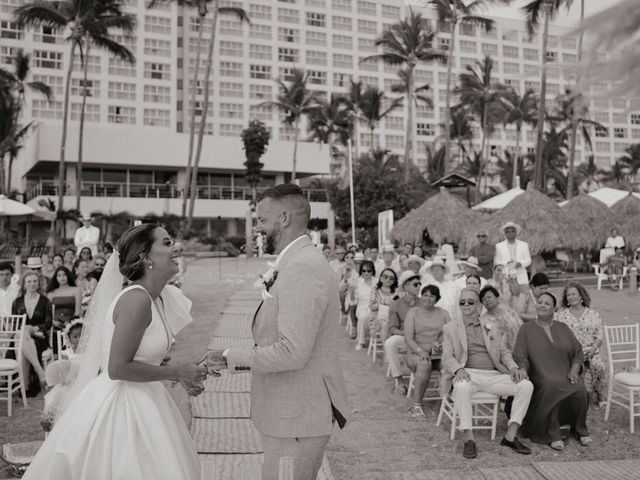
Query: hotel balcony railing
point(150, 190)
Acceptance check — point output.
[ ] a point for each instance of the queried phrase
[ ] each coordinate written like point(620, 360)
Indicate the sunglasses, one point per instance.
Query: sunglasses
point(364, 270)
point(481, 236)
point(466, 302)
point(100, 264)
point(387, 277)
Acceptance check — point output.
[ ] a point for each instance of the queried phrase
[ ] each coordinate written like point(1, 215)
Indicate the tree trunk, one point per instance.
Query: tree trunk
point(371, 130)
point(356, 134)
point(2, 180)
point(9, 172)
point(85, 68)
point(538, 175)
point(447, 98)
point(65, 124)
point(410, 127)
point(193, 191)
point(192, 119)
point(295, 148)
point(482, 146)
point(514, 182)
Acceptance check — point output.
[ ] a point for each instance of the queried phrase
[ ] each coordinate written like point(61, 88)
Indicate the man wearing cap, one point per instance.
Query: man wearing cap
point(484, 252)
point(395, 346)
point(388, 260)
point(513, 253)
point(469, 267)
point(87, 236)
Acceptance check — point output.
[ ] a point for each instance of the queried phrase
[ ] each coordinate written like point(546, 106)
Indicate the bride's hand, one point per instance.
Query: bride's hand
point(193, 389)
point(191, 373)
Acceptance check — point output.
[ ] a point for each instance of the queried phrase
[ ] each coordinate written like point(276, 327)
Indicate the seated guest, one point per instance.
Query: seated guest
point(9, 287)
point(408, 249)
point(436, 275)
point(362, 293)
point(99, 263)
point(475, 359)
point(85, 283)
point(584, 322)
point(347, 286)
point(402, 264)
point(337, 264)
point(71, 336)
point(388, 259)
point(383, 296)
point(415, 263)
point(505, 286)
point(84, 255)
point(615, 240)
point(47, 267)
point(69, 258)
point(525, 302)
point(395, 346)
point(503, 316)
point(553, 358)
point(423, 334)
point(615, 267)
point(418, 251)
point(58, 261)
point(64, 296)
point(473, 282)
point(469, 267)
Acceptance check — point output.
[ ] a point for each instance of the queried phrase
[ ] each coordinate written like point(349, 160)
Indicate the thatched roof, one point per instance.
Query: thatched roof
point(627, 208)
point(445, 216)
point(593, 216)
point(631, 232)
point(545, 226)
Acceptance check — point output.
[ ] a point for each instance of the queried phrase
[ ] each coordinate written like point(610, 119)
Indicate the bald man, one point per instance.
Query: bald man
point(298, 392)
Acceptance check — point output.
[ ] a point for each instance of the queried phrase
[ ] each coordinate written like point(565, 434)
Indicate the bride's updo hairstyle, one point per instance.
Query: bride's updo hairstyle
point(133, 247)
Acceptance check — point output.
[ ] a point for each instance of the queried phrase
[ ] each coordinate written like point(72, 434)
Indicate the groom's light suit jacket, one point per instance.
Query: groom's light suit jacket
point(297, 386)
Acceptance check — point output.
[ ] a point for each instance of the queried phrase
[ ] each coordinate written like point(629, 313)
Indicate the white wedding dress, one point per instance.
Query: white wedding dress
point(117, 430)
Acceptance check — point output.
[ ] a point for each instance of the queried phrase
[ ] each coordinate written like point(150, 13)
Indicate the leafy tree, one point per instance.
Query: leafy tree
point(631, 161)
point(436, 163)
point(353, 102)
point(589, 174)
point(255, 139)
point(616, 173)
point(330, 122)
point(460, 131)
point(520, 111)
point(373, 109)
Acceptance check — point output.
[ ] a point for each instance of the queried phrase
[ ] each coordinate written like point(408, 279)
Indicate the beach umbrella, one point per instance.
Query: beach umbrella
point(594, 216)
point(445, 217)
point(498, 202)
point(631, 232)
point(545, 226)
point(627, 208)
point(11, 208)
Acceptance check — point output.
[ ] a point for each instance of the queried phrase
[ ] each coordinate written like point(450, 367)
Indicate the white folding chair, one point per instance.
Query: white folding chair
point(485, 410)
point(433, 388)
point(11, 374)
point(376, 346)
point(623, 351)
point(601, 275)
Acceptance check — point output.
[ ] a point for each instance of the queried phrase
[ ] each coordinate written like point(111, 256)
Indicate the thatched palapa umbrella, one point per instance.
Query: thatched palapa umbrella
point(594, 216)
point(631, 233)
point(545, 226)
point(627, 208)
point(445, 217)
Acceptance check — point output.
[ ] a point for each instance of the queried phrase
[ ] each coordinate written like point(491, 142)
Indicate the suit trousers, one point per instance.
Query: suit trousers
point(307, 454)
point(394, 347)
point(491, 381)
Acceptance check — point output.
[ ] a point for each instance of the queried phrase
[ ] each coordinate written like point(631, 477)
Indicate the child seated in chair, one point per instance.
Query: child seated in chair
point(614, 267)
point(71, 337)
point(56, 375)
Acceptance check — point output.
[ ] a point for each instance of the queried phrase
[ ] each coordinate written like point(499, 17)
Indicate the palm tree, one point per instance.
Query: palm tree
point(534, 10)
point(631, 161)
point(616, 173)
point(108, 18)
point(554, 157)
point(588, 172)
point(373, 111)
point(436, 163)
point(295, 100)
point(461, 131)
point(241, 15)
point(354, 99)
point(330, 122)
point(521, 111)
point(407, 43)
point(452, 13)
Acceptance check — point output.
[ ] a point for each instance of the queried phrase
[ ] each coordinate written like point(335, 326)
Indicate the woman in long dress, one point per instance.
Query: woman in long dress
point(122, 424)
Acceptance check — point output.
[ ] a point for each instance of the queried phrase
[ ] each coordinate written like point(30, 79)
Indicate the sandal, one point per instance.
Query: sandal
point(557, 445)
point(417, 412)
point(401, 390)
point(586, 441)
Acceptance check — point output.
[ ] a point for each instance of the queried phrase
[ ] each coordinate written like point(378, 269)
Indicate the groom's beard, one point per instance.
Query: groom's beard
point(271, 241)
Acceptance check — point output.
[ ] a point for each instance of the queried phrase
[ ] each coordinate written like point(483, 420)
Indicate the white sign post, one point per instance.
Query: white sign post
point(385, 224)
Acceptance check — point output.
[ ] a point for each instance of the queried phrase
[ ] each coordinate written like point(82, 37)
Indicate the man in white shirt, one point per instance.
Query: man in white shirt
point(387, 260)
point(9, 287)
point(513, 253)
point(615, 240)
point(87, 236)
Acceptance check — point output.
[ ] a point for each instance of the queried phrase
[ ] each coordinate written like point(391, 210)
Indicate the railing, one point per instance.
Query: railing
point(150, 190)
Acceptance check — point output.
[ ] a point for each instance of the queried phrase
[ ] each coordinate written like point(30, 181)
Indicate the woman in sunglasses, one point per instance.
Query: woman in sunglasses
point(383, 295)
point(363, 293)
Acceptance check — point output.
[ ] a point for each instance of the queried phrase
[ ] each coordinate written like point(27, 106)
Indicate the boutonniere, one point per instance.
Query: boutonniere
point(267, 279)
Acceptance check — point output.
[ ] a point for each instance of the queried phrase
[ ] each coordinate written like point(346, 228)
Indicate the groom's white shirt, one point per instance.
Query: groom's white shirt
point(284, 250)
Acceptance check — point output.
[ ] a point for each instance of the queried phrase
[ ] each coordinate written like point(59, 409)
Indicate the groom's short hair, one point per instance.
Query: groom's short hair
point(291, 195)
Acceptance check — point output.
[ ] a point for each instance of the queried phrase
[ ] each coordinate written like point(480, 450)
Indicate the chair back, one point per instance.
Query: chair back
point(59, 341)
point(11, 333)
point(623, 346)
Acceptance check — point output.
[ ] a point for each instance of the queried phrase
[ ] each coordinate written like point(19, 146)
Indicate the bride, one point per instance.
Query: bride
point(119, 422)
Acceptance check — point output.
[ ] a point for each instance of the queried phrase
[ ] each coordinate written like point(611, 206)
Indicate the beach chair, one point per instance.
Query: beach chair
point(11, 374)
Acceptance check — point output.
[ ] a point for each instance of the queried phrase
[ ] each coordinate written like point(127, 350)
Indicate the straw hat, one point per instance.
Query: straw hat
point(388, 249)
point(358, 257)
point(415, 258)
point(34, 262)
point(86, 217)
point(437, 262)
point(406, 276)
point(511, 225)
point(470, 262)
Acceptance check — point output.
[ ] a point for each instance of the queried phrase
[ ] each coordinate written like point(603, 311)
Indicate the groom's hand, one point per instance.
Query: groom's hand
point(193, 389)
point(216, 361)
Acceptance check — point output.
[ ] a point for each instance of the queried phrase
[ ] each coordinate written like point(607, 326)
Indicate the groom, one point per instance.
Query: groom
point(297, 388)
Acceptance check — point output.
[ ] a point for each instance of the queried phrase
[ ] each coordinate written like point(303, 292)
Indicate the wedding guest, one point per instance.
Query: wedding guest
point(636, 263)
point(553, 358)
point(475, 359)
point(408, 249)
point(87, 235)
point(64, 296)
point(473, 282)
point(395, 346)
point(86, 284)
point(71, 336)
point(415, 263)
point(503, 316)
point(402, 264)
point(363, 293)
point(337, 264)
point(586, 325)
point(485, 252)
point(347, 287)
point(614, 267)
point(469, 267)
point(99, 264)
point(9, 287)
point(58, 261)
point(525, 302)
point(505, 286)
point(423, 334)
point(383, 295)
point(418, 251)
point(388, 259)
point(513, 253)
point(107, 250)
point(47, 267)
point(69, 258)
point(34, 264)
point(85, 255)
point(326, 251)
point(37, 309)
point(448, 289)
point(373, 255)
point(615, 240)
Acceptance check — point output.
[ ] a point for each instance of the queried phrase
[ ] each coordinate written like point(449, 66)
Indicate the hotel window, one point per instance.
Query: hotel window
point(286, 133)
point(91, 112)
point(366, 26)
point(317, 38)
point(619, 103)
point(490, 49)
point(122, 91)
point(316, 58)
point(603, 117)
point(120, 67)
point(47, 59)
point(160, 48)
point(366, 8)
point(157, 71)
point(259, 11)
point(425, 129)
point(92, 87)
point(157, 24)
point(443, 43)
point(553, 88)
point(570, 42)
point(231, 49)
point(552, 41)
point(316, 19)
point(231, 27)
point(467, 29)
point(602, 146)
point(635, 133)
point(531, 54)
point(511, 67)
point(230, 69)
point(260, 92)
point(340, 79)
point(55, 83)
point(344, 5)
point(341, 23)
point(230, 130)
point(510, 52)
point(231, 89)
point(464, 61)
point(288, 15)
point(342, 61)
point(259, 31)
point(601, 132)
point(394, 123)
point(601, 103)
point(535, 86)
point(367, 45)
point(394, 141)
point(231, 110)
point(10, 30)
point(468, 46)
point(261, 112)
point(569, 57)
point(619, 147)
point(157, 94)
point(93, 63)
point(553, 72)
point(531, 69)
point(369, 65)
point(289, 35)
point(288, 54)
point(370, 81)
point(619, 117)
point(207, 26)
point(423, 76)
point(117, 114)
point(48, 35)
point(45, 109)
point(423, 110)
point(510, 35)
point(286, 74)
point(390, 11)
point(316, 3)
point(8, 6)
point(262, 52)
point(620, 132)
point(342, 41)
point(7, 55)
point(262, 72)
point(551, 56)
point(317, 78)
point(156, 117)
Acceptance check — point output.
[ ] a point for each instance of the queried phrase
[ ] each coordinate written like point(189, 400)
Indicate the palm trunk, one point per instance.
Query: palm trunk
point(9, 172)
point(192, 120)
point(295, 148)
point(409, 146)
point(447, 100)
point(2, 180)
point(483, 145)
point(65, 124)
point(81, 129)
point(514, 182)
point(371, 130)
point(538, 175)
point(203, 119)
